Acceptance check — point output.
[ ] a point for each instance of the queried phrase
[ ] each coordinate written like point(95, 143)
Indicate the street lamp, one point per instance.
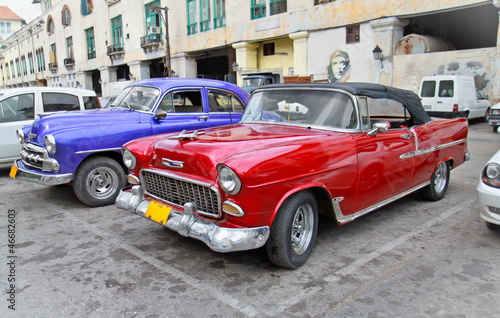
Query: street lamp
point(378, 54)
point(235, 67)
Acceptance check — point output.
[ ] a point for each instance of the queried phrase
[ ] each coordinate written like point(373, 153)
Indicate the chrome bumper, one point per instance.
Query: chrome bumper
point(45, 179)
point(187, 223)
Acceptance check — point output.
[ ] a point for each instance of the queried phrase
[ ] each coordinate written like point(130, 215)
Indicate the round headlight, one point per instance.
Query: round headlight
point(228, 180)
point(128, 158)
point(50, 143)
point(20, 136)
point(491, 175)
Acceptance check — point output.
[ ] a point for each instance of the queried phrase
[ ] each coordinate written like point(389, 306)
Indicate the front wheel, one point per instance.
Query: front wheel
point(439, 183)
point(293, 232)
point(495, 128)
point(98, 181)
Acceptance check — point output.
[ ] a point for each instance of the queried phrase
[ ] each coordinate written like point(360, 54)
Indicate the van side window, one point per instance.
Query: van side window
point(428, 89)
point(17, 108)
point(53, 102)
point(446, 89)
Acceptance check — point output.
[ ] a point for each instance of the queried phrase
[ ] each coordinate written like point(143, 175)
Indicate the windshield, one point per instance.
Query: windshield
point(137, 98)
point(312, 107)
point(253, 82)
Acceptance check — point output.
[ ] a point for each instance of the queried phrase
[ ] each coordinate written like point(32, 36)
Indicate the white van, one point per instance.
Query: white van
point(453, 96)
point(20, 106)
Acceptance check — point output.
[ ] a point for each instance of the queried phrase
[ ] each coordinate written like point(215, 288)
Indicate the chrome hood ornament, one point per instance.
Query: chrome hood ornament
point(172, 163)
point(183, 135)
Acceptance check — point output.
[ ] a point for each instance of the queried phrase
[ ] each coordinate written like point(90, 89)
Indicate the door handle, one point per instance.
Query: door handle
point(406, 136)
point(440, 102)
point(205, 118)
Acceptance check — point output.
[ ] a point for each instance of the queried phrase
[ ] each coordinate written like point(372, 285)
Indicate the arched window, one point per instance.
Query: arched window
point(8, 27)
point(50, 26)
point(66, 16)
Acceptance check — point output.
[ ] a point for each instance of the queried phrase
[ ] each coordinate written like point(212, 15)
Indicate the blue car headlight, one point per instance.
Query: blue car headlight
point(50, 143)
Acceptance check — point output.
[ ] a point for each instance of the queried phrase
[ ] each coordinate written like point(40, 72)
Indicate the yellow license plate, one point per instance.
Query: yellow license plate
point(13, 172)
point(158, 212)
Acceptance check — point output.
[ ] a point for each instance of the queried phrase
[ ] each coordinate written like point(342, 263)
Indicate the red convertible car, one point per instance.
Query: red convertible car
point(341, 150)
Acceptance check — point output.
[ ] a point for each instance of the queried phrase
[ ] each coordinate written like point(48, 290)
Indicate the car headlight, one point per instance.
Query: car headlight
point(491, 175)
point(50, 143)
point(228, 180)
point(495, 112)
point(128, 158)
point(20, 136)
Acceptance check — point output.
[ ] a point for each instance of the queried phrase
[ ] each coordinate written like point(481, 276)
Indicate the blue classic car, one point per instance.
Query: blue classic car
point(84, 147)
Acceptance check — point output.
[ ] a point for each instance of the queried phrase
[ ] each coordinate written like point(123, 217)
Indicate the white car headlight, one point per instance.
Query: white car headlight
point(495, 112)
point(228, 180)
point(491, 175)
point(50, 143)
point(128, 158)
point(20, 136)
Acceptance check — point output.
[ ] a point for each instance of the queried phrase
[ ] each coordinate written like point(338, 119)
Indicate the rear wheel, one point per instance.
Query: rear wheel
point(439, 183)
point(98, 181)
point(493, 226)
point(486, 116)
point(495, 128)
point(293, 232)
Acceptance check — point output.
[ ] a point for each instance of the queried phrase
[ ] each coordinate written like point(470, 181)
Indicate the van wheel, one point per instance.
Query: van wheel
point(293, 231)
point(98, 181)
point(486, 116)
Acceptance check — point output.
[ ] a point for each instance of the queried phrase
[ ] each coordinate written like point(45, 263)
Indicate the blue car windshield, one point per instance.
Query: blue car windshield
point(310, 107)
point(141, 98)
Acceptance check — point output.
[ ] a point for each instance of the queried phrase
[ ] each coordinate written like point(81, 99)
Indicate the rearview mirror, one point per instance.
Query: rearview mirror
point(160, 114)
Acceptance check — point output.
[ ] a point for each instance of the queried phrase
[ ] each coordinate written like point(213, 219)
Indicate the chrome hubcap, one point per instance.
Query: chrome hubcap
point(302, 228)
point(440, 177)
point(102, 183)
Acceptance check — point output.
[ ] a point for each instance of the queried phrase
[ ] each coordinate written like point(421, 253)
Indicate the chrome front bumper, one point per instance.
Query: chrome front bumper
point(24, 174)
point(187, 223)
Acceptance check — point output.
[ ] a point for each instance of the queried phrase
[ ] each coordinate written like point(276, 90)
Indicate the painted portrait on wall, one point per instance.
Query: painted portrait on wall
point(339, 67)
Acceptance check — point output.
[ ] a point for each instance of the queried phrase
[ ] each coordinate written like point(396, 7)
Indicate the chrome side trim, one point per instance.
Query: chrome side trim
point(431, 149)
point(341, 218)
point(187, 223)
point(98, 150)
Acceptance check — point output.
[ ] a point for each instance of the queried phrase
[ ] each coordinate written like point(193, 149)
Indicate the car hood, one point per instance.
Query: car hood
point(245, 148)
point(66, 121)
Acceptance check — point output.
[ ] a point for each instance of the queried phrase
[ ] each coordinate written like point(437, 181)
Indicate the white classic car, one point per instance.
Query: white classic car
point(488, 192)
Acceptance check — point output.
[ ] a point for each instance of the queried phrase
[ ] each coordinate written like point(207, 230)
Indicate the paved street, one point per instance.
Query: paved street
point(412, 258)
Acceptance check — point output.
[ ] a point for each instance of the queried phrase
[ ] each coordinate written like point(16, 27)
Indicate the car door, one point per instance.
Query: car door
point(15, 112)
point(384, 168)
point(446, 98)
point(185, 110)
point(224, 108)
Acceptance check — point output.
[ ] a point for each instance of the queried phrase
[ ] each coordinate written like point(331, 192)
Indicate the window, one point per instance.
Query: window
point(352, 34)
point(50, 26)
point(53, 102)
point(69, 48)
point(182, 102)
point(223, 102)
point(446, 89)
point(91, 102)
point(23, 62)
point(219, 13)
point(18, 68)
point(17, 108)
point(89, 34)
point(268, 49)
point(191, 11)
point(205, 15)
point(87, 7)
point(117, 33)
point(7, 70)
point(258, 9)
point(278, 6)
point(2, 27)
point(12, 69)
point(31, 63)
point(153, 20)
point(428, 89)
point(9, 30)
point(388, 111)
point(66, 16)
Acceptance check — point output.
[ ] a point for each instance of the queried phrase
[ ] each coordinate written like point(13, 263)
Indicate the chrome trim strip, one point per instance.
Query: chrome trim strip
point(187, 223)
point(97, 150)
point(431, 149)
point(341, 218)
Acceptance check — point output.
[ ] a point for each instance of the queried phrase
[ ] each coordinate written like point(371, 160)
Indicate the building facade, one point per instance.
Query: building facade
point(103, 45)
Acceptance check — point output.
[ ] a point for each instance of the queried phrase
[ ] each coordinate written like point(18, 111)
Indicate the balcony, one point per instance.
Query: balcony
point(91, 55)
point(53, 67)
point(69, 63)
point(115, 52)
point(151, 42)
point(110, 2)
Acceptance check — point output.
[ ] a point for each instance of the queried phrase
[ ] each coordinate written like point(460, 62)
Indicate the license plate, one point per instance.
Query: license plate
point(427, 106)
point(13, 172)
point(158, 212)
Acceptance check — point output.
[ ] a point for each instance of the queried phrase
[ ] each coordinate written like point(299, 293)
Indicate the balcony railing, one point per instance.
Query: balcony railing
point(114, 49)
point(91, 55)
point(53, 67)
point(150, 40)
point(69, 62)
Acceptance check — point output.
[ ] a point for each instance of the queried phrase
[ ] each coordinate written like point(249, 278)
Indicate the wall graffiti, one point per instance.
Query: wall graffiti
point(471, 68)
point(339, 67)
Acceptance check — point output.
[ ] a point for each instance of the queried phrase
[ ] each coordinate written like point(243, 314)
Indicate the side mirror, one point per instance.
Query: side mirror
point(378, 127)
point(486, 97)
point(160, 114)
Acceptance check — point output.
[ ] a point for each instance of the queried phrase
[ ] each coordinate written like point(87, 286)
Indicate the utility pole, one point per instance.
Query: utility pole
point(168, 70)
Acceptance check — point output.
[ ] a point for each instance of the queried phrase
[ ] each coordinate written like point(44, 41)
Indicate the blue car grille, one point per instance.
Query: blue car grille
point(180, 191)
point(33, 156)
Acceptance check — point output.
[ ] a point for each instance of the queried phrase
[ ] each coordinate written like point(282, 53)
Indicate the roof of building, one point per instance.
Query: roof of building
point(8, 14)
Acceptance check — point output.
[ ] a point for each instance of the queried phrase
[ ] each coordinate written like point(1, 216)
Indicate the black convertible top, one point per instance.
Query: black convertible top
point(408, 98)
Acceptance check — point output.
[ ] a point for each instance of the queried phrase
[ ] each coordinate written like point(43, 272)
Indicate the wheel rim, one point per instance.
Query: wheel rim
point(302, 228)
point(440, 178)
point(102, 183)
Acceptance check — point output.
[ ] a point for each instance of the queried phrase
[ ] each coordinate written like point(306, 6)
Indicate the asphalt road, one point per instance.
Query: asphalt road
point(412, 258)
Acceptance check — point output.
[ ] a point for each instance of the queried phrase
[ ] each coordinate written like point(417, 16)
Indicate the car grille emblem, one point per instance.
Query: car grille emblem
point(172, 163)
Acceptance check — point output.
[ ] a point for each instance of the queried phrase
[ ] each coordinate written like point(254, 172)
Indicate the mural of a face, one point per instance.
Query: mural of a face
point(339, 66)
